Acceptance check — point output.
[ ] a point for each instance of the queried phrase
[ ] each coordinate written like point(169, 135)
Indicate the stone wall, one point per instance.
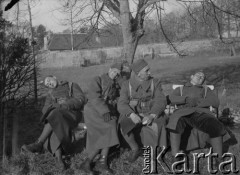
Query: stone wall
point(60, 59)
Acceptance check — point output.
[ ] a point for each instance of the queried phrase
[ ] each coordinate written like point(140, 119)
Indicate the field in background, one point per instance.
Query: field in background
point(78, 58)
point(223, 72)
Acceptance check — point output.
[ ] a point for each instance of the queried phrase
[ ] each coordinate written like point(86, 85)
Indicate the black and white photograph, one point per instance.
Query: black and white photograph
point(119, 87)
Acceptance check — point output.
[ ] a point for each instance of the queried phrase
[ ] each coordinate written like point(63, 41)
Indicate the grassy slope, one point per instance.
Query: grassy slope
point(170, 70)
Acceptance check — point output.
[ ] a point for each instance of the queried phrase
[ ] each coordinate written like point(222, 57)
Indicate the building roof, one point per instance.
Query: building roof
point(80, 41)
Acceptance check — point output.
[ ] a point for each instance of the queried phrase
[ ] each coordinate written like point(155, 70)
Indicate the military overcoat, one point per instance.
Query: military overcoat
point(102, 95)
point(206, 98)
point(149, 100)
point(63, 120)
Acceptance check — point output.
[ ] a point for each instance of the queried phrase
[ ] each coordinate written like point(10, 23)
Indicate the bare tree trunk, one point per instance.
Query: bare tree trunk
point(228, 26)
point(237, 27)
point(2, 107)
point(125, 17)
point(4, 157)
point(15, 132)
point(71, 13)
point(130, 30)
point(33, 52)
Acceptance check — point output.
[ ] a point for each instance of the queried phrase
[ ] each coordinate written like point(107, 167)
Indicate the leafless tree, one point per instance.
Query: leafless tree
point(99, 12)
point(225, 13)
point(16, 71)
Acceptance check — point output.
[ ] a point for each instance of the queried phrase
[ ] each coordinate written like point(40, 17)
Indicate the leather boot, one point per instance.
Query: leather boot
point(61, 165)
point(102, 166)
point(36, 147)
point(134, 155)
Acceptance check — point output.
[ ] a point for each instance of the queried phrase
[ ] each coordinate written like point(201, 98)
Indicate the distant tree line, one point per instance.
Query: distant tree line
point(195, 22)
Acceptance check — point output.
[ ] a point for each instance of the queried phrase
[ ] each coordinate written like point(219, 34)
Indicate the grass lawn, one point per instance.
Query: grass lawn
point(223, 72)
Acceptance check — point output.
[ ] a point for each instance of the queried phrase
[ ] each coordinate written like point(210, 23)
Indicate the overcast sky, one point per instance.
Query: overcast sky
point(45, 12)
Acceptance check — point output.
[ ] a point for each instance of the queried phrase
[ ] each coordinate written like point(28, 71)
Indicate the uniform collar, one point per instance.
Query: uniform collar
point(137, 84)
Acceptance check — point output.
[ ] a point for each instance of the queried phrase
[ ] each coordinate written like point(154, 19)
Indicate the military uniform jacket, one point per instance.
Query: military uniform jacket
point(63, 120)
point(197, 138)
point(204, 102)
point(142, 92)
point(73, 94)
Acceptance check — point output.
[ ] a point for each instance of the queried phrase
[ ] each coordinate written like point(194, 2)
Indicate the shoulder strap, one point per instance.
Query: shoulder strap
point(152, 89)
point(130, 90)
point(181, 90)
point(205, 91)
point(70, 89)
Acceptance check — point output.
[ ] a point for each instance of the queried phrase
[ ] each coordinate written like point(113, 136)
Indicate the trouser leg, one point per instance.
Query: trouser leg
point(136, 152)
point(175, 136)
point(60, 162)
point(105, 151)
point(102, 163)
point(175, 139)
point(213, 128)
point(86, 165)
point(45, 133)
point(217, 145)
point(130, 139)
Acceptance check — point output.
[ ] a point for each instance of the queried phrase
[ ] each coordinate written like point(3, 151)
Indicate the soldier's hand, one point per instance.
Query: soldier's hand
point(114, 118)
point(135, 118)
point(147, 120)
point(107, 117)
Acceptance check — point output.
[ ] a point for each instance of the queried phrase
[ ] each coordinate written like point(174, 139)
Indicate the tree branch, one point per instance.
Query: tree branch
point(148, 3)
point(114, 7)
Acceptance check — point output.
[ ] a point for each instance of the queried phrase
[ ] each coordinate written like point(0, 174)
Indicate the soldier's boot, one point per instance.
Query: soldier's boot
point(175, 139)
point(60, 163)
point(86, 166)
point(102, 166)
point(136, 152)
point(36, 147)
point(134, 155)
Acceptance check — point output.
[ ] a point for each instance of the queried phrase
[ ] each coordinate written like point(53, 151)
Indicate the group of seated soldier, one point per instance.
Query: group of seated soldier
point(118, 105)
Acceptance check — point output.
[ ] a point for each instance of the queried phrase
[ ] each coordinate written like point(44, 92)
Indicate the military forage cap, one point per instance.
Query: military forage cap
point(138, 65)
point(117, 66)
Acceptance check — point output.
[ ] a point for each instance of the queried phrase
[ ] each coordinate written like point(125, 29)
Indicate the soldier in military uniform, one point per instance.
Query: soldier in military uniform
point(61, 115)
point(141, 105)
point(193, 102)
point(100, 114)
